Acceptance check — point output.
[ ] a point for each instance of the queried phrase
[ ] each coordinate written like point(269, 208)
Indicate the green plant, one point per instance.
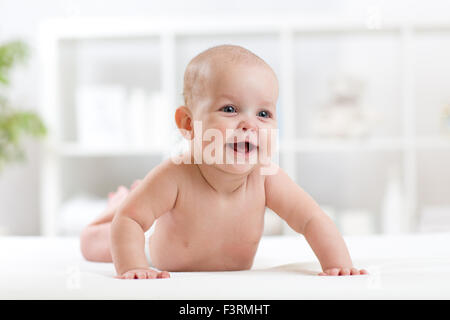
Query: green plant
point(14, 124)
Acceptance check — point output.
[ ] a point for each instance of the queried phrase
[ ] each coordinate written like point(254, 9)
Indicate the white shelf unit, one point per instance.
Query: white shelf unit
point(285, 30)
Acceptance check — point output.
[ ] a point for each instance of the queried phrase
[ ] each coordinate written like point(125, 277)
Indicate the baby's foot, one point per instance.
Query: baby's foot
point(146, 273)
point(135, 184)
point(116, 198)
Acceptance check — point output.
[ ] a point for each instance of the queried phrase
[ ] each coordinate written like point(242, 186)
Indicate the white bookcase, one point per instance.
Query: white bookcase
point(282, 41)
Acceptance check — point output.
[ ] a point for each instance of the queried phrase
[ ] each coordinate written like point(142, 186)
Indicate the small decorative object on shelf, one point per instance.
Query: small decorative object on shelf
point(100, 115)
point(393, 204)
point(445, 120)
point(112, 116)
point(343, 115)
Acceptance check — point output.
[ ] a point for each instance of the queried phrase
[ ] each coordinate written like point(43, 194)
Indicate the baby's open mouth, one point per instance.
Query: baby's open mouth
point(243, 147)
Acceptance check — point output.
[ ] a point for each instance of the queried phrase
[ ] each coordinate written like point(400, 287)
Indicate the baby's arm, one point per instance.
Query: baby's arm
point(304, 215)
point(154, 196)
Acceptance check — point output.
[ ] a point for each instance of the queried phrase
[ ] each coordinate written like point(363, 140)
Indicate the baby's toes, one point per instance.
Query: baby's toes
point(122, 190)
point(135, 184)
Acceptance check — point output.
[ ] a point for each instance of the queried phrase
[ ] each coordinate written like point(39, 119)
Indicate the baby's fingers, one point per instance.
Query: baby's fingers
point(362, 271)
point(354, 272)
point(330, 272)
point(344, 272)
point(127, 275)
point(144, 274)
point(163, 275)
point(333, 272)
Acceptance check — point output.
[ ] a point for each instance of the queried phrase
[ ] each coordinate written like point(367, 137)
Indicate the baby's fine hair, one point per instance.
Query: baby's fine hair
point(194, 82)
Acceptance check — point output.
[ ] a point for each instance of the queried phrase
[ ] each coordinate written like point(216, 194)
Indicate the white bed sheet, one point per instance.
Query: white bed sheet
point(414, 266)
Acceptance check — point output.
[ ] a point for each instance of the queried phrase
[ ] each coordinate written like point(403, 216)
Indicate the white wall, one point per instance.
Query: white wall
point(19, 196)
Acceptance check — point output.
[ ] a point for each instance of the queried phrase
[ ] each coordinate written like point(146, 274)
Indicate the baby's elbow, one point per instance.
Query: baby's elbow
point(295, 222)
point(317, 222)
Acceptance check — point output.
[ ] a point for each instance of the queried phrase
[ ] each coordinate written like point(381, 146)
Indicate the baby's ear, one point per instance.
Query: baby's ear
point(183, 119)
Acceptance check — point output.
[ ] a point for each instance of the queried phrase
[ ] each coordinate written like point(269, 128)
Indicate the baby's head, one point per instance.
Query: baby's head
point(228, 89)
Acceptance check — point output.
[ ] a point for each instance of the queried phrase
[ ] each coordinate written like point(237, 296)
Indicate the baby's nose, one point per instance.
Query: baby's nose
point(247, 125)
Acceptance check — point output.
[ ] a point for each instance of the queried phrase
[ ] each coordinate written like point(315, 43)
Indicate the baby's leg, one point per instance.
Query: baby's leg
point(94, 240)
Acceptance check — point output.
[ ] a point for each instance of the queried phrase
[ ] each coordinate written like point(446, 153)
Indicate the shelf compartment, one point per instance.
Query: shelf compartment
point(352, 181)
point(433, 200)
point(126, 64)
point(362, 66)
point(432, 79)
point(341, 145)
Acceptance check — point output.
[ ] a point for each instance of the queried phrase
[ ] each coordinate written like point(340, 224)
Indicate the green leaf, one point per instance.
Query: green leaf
point(11, 53)
point(15, 125)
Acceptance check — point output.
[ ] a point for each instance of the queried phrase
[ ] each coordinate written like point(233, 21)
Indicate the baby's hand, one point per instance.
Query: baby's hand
point(342, 272)
point(146, 273)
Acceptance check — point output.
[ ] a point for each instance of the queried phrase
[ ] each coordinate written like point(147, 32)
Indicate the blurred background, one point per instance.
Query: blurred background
point(364, 108)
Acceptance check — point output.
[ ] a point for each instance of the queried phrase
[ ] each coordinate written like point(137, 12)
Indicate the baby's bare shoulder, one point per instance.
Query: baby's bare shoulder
point(169, 170)
point(278, 179)
point(165, 168)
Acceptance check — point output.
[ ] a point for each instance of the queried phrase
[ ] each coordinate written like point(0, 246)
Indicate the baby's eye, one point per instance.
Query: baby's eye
point(264, 114)
point(228, 109)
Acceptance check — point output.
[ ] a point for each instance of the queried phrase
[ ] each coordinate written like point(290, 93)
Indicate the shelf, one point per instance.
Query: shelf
point(76, 150)
point(140, 27)
point(329, 145)
point(95, 27)
point(299, 145)
point(390, 144)
point(439, 143)
point(391, 56)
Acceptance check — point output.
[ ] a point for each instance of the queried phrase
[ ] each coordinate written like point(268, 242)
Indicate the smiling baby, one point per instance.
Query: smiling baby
point(204, 210)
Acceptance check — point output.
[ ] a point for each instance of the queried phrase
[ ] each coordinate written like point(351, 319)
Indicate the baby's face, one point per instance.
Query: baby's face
point(239, 99)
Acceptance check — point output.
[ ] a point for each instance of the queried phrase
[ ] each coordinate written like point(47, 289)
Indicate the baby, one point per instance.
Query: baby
point(209, 206)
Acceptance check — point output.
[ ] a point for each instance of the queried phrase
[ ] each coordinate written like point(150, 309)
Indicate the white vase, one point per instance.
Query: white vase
point(392, 209)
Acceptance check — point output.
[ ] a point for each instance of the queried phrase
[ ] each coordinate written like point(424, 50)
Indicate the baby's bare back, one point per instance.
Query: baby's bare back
point(209, 230)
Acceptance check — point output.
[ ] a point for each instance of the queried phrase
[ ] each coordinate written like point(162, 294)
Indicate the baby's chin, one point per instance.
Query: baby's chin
point(235, 168)
point(239, 163)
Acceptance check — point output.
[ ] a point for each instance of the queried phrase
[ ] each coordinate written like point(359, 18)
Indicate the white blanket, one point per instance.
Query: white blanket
point(415, 266)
